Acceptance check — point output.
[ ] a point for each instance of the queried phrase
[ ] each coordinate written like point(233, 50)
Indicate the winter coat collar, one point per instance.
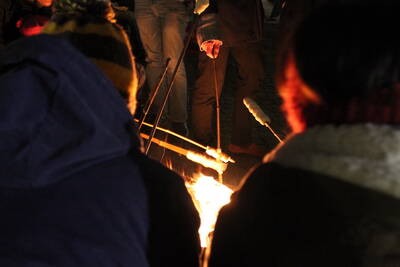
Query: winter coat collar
point(366, 155)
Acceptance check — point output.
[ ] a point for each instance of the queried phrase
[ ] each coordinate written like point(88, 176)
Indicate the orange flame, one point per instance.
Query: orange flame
point(209, 197)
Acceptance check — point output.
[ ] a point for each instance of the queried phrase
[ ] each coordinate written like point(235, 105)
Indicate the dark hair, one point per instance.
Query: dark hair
point(344, 51)
point(349, 54)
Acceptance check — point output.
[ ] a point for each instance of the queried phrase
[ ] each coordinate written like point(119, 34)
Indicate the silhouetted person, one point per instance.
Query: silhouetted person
point(330, 194)
point(75, 188)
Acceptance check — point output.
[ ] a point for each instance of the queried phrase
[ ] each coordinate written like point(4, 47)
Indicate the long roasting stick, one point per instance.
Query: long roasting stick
point(207, 162)
point(171, 82)
point(154, 93)
point(218, 113)
point(215, 153)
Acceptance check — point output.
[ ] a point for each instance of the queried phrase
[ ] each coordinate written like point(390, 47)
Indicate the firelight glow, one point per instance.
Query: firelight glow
point(209, 197)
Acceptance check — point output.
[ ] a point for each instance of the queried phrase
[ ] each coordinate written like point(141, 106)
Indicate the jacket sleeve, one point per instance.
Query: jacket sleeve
point(207, 27)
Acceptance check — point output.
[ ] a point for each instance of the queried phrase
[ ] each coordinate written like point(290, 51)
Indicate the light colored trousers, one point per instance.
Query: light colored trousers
point(162, 29)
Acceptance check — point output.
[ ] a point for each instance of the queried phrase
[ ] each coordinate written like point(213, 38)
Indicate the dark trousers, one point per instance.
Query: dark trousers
point(248, 81)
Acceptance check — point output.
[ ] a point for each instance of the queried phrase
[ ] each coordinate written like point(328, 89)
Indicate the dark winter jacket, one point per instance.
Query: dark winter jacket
point(233, 22)
point(74, 188)
point(329, 197)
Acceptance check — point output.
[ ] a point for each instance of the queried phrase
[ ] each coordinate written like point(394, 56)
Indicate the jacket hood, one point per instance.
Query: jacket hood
point(58, 114)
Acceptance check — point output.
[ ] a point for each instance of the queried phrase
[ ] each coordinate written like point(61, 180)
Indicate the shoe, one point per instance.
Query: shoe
point(252, 149)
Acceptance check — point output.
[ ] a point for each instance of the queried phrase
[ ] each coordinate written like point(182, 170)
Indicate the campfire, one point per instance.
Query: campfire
point(209, 196)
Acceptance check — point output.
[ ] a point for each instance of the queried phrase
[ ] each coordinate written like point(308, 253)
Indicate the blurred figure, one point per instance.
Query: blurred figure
point(162, 25)
point(75, 189)
point(22, 18)
point(5, 17)
point(236, 31)
point(330, 194)
point(34, 17)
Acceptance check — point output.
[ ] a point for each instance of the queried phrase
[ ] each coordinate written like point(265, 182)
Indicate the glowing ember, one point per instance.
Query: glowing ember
point(209, 196)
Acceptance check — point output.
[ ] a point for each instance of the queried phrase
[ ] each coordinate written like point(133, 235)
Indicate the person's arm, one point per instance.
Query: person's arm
point(208, 35)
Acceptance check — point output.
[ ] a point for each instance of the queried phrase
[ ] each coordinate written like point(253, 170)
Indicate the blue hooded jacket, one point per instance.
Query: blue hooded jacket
point(71, 193)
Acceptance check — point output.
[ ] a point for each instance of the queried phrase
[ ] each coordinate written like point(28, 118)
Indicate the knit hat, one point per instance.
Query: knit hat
point(89, 26)
point(94, 8)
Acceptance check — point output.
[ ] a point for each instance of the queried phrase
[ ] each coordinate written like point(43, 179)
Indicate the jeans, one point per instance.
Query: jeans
point(162, 29)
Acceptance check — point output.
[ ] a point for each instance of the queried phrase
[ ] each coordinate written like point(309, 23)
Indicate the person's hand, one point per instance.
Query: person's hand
point(211, 47)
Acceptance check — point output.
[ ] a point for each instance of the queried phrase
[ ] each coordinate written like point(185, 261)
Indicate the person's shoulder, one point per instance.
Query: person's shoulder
point(155, 172)
point(264, 173)
point(34, 47)
point(269, 178)
point(21, 63)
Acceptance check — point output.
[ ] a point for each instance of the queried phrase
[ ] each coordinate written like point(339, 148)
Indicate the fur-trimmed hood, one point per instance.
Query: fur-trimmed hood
point(365, 154)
